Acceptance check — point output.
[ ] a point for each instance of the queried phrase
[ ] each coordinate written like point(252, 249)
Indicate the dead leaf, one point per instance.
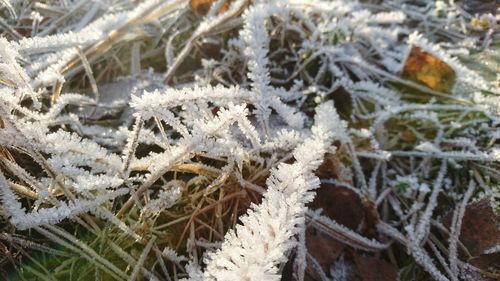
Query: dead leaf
point(323, 248)
point(480, 227)
point(489, 263)
point(340, 204)
point(342, 102)
point(201, 7)
point(429, 70)
point(287, 272)
point(333, 168)
point(372, 269)
point(371, 218)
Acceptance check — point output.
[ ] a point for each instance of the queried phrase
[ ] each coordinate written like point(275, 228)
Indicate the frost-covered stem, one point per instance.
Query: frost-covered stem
point(344, 234)
point(22, 190)
point(129, 259)
point(206, 26)
point(139, 265)
point(117, 28)
point(131, 146)
point(416, 250)
point(9, 29)
point(12, 207)
point(463, 156)
point(301, 253)
point(23, 175)
point(424, 224)
point(317, 267)
point(406, 82)
point(372, 184)
point(392, 232)
point(191, 143)
point(386, 115)
point(254, 33)
point(109, 216)
point(7, 4)
point(248, 184)
point(421, 256)
point(253, 250)
point(214, 8)
point(456, 227)
point(152, 178)
point(357, 167)
point(441, 260)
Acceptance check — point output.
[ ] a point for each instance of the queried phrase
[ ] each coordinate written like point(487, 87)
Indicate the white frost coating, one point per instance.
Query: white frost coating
point(254, 34)
point(23, 220)
point(427, 147)
point(463, 74)
point(245, 113)
point(254, 248)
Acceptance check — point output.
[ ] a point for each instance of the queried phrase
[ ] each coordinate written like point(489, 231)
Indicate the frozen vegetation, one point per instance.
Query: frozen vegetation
point(186, 140)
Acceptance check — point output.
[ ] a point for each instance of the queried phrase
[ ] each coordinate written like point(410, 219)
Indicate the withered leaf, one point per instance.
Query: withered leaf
point(333, 168)
point(323, 248)
point(201, 7)
point(340, 204)
point(372, 269)
point(480, 229)
point(429, 70)
point(488, 263)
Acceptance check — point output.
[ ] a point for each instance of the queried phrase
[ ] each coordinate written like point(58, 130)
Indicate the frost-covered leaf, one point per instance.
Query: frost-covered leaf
point(429, 70)
point(479, 215)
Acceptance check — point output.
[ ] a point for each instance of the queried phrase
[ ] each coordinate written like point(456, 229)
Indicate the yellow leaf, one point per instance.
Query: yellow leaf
point(429, 70)
point(480, 23)
point(201, 7)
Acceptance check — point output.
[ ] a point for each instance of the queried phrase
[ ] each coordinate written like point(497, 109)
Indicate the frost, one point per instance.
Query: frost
point(252, 97)
point(254, 249)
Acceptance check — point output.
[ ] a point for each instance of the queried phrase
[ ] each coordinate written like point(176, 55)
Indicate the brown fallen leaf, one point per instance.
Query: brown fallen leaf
point(480, 232)
point(372, 269)
point(323, 248)
point(343, 102)
point(470, 272)
point(489, 264)
point(429, 70)
point(333, 168)
point(371, 218)
point(287, 272)
point(201, 7)
point(342, 205)
point(480, 227)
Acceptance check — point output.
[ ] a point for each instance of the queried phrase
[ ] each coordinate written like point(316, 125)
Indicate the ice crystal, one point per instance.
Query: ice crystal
point(287, 83)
